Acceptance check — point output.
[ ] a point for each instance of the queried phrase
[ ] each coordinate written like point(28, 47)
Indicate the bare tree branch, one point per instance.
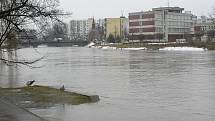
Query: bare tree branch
point(26, 63)
point(17, 15)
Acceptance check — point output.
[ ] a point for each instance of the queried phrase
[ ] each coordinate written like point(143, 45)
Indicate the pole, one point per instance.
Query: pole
point(168, 3)
point(165, 19)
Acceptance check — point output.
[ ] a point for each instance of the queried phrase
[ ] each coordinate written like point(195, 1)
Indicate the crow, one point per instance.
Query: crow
point(29, 83)
point(62, 88)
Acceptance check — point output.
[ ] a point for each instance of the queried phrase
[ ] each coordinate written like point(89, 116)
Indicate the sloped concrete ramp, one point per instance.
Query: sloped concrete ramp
point(11, 112)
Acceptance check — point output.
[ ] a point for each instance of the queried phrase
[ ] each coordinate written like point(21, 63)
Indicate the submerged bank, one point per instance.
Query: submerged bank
point(156, 46)
point(43, 96)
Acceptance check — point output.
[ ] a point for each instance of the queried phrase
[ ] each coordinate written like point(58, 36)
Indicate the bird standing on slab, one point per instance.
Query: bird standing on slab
point(29, 83)
point(62, 88)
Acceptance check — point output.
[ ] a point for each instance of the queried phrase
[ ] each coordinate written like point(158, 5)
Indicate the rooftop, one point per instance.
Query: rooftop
point(169, 9)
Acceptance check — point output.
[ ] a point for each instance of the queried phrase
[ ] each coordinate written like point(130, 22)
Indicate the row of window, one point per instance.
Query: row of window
point(173, 30)
point(141, 16)
point(179, 30)
point(174, 17)
point(174, 23)
point(161, 23)
point(142, 23)
point(203, 28)
point(138, 30)
point(159, 29)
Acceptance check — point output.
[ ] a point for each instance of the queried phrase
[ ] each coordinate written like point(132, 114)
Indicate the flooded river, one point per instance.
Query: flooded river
point(133, 85)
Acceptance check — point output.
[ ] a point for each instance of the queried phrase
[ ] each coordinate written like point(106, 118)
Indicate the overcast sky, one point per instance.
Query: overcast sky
point(83, 9)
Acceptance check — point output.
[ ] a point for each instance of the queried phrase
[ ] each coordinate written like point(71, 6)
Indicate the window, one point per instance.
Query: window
point(159, 29)
point(158, 16)
point(142, 30)
point(158, 23)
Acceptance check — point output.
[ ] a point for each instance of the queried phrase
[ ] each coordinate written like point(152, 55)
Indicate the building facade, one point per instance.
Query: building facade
point(89, 24)
point(205, 29)
point(80, 29)
point(164, 24)
point(118, 27)
point(205, 24)
point(100, 27)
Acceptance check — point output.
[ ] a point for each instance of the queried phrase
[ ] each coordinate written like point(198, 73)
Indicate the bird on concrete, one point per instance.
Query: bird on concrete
point(62, 88)
point(29, 83)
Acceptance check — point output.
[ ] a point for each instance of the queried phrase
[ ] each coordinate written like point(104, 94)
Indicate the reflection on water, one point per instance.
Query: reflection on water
point(8, 72)
point(133, 85)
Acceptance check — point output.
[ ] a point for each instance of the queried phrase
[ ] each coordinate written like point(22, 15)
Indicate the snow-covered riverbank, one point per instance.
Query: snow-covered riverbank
point(144, 48)
point(182, 49)
point(115, 48)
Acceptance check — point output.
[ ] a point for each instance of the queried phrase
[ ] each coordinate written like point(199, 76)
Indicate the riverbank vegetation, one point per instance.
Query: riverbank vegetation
point(43, 96)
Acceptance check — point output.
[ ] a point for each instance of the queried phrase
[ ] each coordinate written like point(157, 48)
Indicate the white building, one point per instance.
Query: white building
point(80, 29)
point(205, 29)
point(89, 23)
point(205, 24)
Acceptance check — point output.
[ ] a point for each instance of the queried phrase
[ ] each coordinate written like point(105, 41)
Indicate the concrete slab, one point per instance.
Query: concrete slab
point(11, 112)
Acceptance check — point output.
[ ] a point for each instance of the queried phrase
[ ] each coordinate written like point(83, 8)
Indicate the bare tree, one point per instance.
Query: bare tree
point(16, 15)
point(212, 14)
point(59, 30)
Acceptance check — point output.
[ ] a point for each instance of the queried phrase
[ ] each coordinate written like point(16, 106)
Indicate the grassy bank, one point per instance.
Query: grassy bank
point(43, 96)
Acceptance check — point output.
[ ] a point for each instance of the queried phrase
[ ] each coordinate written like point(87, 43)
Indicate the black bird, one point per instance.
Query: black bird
point(29, 83)
point(62, 88)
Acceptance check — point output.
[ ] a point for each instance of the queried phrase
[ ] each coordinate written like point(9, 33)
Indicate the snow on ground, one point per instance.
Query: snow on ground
point(108, 47)
point(157, 43)
point(91, 44)
point(115, 48)
point(142, 48)
point(182, 49)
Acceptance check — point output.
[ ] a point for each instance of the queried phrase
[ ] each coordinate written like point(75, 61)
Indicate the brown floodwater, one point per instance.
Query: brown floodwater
point(132, 85)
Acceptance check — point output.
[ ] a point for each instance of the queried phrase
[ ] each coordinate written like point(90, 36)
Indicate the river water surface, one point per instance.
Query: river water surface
point(132, 85)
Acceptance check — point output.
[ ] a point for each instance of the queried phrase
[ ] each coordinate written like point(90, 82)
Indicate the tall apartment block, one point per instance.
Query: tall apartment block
point(80, 29)
point(164, 24)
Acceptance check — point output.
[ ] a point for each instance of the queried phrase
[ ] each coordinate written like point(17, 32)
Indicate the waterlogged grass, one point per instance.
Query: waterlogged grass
point(43, 96)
